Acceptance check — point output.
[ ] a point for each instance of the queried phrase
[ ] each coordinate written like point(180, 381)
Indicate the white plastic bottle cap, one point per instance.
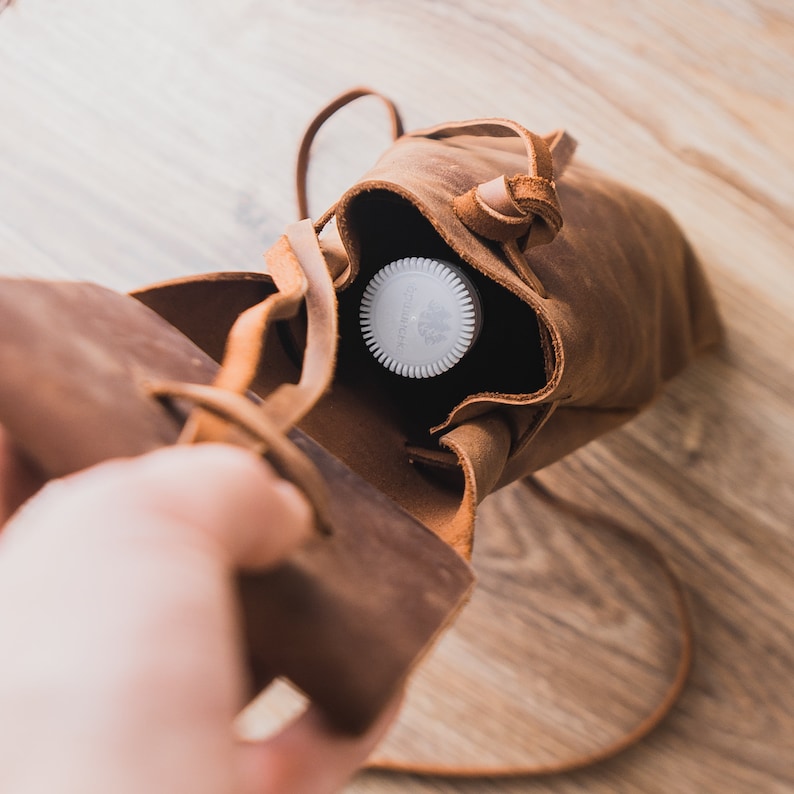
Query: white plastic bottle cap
point(420, 316)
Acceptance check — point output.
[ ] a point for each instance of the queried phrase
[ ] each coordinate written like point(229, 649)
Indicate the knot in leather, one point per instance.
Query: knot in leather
point(505, 209)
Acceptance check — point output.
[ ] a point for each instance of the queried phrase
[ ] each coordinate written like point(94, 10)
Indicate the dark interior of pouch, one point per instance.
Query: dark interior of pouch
point(507, 357)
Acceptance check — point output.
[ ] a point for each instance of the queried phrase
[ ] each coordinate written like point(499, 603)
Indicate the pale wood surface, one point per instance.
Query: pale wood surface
point(140, 141)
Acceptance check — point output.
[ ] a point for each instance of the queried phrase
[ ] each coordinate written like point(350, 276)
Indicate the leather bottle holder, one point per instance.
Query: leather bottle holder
point(594, 298)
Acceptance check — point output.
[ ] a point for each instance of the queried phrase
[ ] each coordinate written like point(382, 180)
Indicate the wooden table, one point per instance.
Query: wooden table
point(141, 141)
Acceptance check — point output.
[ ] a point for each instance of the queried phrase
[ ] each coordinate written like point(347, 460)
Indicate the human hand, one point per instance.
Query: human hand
point(122, 669)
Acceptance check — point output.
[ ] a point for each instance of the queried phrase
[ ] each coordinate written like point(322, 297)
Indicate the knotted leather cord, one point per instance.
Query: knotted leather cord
point(502, 199)
point(241, 412)
point(301, 277)
point(521, 211)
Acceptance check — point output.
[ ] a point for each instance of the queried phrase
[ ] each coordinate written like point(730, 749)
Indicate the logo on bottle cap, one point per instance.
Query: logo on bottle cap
point(419, 316)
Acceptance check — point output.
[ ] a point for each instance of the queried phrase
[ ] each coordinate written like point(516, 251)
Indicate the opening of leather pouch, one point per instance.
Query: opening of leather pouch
point(506, 357)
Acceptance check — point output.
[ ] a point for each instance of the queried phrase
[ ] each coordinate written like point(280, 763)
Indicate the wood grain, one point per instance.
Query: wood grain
point(148, 140)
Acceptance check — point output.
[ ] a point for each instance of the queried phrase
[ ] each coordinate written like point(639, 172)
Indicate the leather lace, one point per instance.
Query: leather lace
point(302, 167)
point(226, 408)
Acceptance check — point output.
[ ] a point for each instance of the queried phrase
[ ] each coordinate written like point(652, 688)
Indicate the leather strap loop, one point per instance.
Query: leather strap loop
point(270, 441)
point(539, 157)
point(524, 207)
point(300, 275)
point(547, 155)
point(686, 629)
point(299, 272)
point(317, 122)
point(289, 403)
point(507, 208)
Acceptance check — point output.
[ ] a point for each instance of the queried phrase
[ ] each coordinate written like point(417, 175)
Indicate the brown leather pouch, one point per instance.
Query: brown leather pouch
point(591, 300)
point(584, 320)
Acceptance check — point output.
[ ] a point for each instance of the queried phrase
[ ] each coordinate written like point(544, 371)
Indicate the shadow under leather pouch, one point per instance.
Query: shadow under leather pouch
point(588, 299)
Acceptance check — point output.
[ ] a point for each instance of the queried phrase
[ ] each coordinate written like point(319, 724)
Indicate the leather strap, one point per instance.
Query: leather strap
point(317, 122)
point(300, 275)
point(269, 440)
point(562, 146)
point(548, 155)
point(297, 267)
point(289, 403)
point(594, 520)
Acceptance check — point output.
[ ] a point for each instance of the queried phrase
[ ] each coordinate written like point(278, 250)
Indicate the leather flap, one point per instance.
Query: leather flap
point(348, 616)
